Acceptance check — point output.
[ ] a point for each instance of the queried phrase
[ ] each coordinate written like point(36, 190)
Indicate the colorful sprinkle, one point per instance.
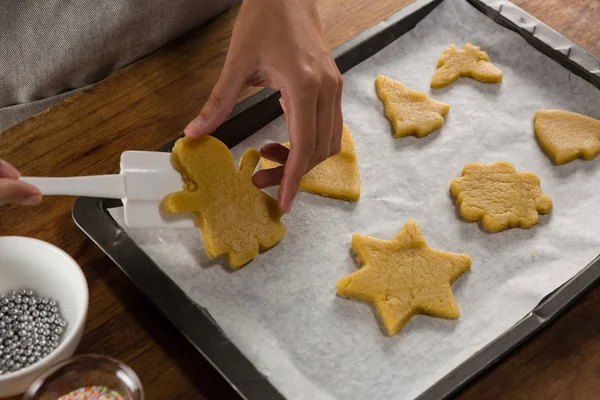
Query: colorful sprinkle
point(92, 393)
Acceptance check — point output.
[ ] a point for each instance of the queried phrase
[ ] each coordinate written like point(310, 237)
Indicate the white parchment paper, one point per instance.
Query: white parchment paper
point(281, 310)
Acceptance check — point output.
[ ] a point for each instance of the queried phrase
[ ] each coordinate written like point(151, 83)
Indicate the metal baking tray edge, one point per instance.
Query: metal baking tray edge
point(196, 324)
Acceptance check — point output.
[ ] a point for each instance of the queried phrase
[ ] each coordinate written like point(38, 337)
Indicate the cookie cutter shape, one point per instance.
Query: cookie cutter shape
point(566, 135)
point(336, 177)
point(469, 62)
point(403, 277)
point(234, 216)
point(410, 112)
point(499, 196)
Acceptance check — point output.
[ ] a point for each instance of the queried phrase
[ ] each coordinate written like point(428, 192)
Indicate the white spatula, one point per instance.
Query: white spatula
point(146, 177)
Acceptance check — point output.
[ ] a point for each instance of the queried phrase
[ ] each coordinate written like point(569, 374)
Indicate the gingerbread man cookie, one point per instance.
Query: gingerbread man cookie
point(404, 277)
point(469, 62)
point(565, 135)
point(410, 112)
point(234, 216)
point(500, 196)
point(336, 177)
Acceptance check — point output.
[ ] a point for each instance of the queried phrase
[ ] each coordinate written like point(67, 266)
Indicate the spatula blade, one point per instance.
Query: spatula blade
point(149, 177)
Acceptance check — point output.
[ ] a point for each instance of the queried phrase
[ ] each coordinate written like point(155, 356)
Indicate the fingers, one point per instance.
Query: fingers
point(220, 103)
point(325, 119)
point(275, 152)
point(14, 191)
point(338, 119)
point(272, 176)
point(268, 177)
point(8, 171)
point(302, 125)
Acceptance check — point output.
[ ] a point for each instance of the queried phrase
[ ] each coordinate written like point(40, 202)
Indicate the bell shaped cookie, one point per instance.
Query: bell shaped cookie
point(469, 62)
point(410, 112)
point(565, 135)
point(337, 177)
point(235, 218)
point(403, 277)
point(500, 196)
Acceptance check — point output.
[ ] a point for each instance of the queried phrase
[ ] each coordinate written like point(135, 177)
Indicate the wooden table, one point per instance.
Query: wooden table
point(145, 106)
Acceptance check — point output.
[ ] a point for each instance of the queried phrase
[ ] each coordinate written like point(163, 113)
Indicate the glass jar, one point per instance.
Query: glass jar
point(86, 371)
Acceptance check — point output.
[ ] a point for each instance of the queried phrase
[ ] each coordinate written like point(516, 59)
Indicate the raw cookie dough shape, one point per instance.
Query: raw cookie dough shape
point(500, 196)
point(235, 217)
point(469, 62)
point(404, 277)
point(565, 135)
point(336, 177)
point(410, 112)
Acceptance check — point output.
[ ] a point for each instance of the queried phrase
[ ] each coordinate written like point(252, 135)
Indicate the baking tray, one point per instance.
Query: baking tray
point(196, 324)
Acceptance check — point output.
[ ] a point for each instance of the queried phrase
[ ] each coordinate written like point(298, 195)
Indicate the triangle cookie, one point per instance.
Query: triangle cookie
point(410, 112)
point(469, 62)
point(565, 135)
point(336, 177)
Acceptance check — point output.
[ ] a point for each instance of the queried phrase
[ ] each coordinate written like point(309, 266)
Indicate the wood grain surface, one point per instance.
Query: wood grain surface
point(145, 106)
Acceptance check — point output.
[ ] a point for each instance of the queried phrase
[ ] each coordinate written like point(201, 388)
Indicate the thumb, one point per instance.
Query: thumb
point(219, 105)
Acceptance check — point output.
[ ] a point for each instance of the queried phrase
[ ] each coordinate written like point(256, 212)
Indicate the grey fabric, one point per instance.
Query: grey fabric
point(50, 47)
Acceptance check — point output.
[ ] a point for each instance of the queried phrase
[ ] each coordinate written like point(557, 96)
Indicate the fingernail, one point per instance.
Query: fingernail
point(8, 170)
point(195, 127)
point(31, 200)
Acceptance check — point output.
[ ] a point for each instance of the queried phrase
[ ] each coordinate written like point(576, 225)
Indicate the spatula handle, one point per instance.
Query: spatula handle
point(107, 186)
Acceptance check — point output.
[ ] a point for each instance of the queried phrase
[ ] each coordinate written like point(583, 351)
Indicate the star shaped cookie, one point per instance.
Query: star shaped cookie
point(565, 135)
point(500, 196)
point(469, 62)
point(403, 277)
point(235, 217)
point(337, 177)
point(410, 112)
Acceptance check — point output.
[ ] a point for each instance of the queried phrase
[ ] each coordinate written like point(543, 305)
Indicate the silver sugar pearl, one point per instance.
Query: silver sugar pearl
point(44, 300)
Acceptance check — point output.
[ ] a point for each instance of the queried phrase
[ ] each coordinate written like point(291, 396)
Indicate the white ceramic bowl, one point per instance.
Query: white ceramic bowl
point(49, 272)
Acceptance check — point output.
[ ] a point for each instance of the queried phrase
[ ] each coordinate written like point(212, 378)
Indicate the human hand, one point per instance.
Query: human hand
point(281, 45)
point(14, 191)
